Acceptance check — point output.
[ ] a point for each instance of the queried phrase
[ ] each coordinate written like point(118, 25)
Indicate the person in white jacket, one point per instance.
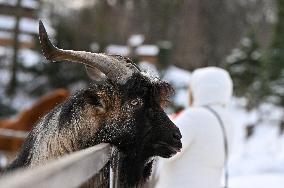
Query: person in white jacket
point(201, 160)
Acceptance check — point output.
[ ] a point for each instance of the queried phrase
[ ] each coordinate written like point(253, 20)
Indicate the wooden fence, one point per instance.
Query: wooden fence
point(69, 171)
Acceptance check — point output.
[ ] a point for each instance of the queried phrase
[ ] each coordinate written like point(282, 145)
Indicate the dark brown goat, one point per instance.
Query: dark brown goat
point(124, 109)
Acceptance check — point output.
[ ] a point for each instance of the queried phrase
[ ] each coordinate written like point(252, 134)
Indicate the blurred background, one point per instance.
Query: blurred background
point(246, 37)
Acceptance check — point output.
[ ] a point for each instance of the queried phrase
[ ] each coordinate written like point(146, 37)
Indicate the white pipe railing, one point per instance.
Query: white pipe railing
point(13, 133)
point(69, 171)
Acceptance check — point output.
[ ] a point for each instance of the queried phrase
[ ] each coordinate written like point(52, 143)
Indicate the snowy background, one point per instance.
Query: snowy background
point(182, 36)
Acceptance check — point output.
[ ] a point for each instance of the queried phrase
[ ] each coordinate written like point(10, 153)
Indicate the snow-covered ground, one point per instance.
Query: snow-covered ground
point(264, 150)
point(259, 160)
point(265, 180)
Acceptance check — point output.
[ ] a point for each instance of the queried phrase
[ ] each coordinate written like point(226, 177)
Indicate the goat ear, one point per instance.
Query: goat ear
point(95, 101)
point(95, 74)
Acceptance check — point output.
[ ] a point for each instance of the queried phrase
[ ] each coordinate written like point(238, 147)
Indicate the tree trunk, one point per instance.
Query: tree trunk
point(14, 66)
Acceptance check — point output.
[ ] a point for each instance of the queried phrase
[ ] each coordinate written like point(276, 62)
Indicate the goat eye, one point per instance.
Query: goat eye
point(135, 102)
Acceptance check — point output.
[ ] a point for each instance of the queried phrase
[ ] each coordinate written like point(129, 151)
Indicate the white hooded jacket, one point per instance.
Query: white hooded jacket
point(201, 160)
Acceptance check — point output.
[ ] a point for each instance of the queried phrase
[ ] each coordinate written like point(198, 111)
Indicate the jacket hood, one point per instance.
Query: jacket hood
point(210, 86)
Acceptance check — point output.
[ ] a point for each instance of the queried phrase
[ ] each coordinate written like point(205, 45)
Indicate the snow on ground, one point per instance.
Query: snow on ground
point(263, 151)
point(258, 161)
point(269, 180)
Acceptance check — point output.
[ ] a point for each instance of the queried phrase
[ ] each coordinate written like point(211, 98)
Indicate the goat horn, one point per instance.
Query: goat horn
point(116, 69)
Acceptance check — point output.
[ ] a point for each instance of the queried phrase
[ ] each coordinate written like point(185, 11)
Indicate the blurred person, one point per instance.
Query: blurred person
point(204, 154)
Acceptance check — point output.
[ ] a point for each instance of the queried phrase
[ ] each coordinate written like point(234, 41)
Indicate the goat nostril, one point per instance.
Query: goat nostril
point(176, 136)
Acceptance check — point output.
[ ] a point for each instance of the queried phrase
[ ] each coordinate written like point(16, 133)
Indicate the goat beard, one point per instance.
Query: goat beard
point(133, 167)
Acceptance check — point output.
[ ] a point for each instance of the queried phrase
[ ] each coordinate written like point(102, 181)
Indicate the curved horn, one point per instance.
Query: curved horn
point(117, 70)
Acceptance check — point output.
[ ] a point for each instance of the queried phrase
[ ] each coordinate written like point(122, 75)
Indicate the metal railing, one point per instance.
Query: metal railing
point(10, 133)
point(71, 170)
